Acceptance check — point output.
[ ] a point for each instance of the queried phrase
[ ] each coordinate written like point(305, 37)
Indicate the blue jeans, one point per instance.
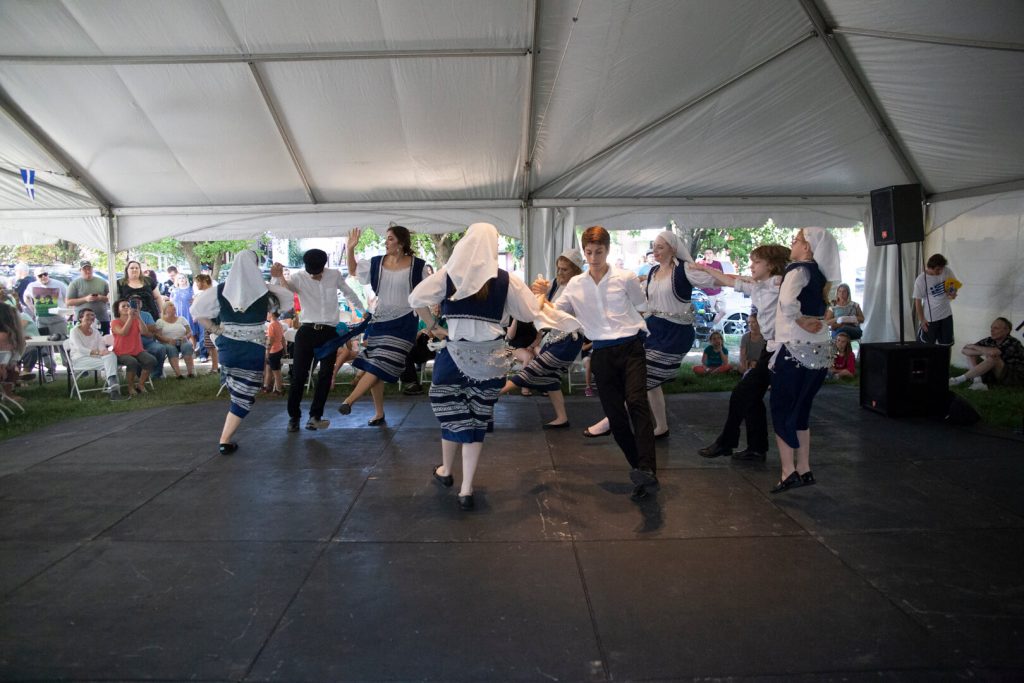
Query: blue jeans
point(159, 352)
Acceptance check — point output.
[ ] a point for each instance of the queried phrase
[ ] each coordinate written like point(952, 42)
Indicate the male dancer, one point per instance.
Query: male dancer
point(317, 288)
point(767, 265)
point(605, 301)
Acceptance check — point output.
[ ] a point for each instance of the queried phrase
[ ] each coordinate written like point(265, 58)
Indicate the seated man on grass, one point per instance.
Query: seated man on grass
point(997, 359)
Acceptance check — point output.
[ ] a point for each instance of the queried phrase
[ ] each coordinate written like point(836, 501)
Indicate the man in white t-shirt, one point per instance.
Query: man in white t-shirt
point(933, 291)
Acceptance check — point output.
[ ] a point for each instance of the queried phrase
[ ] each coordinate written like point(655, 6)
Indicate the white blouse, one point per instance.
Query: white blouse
point(788, 311)
point(176, 330)
point(660, 296)
point(82, 345)
point(392, 293)
point(520, 304)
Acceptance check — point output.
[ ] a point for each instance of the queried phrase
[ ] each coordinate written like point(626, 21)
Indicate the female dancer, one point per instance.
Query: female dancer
point(561, 344)
point(803, 356)
point(390, 336)
point(241, 303)
point(669, 317)
point(475, 295)
point(136, 283)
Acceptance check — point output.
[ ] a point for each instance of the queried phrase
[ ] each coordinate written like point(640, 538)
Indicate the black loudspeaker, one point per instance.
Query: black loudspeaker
point(896, 214)
point(905, 380)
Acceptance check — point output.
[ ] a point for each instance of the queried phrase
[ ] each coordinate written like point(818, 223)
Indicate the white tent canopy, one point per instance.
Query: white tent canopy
point(226, 118)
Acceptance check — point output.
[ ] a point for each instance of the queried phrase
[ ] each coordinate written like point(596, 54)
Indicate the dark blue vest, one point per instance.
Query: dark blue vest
point(415, 273)
point(256, 313)
point(681, 286)
point(811, 297)
point(552, 290)
point(491, 310)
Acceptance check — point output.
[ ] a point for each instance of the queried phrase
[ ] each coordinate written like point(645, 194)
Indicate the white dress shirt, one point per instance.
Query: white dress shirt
point(764, 299)
point(392, 291)
point(319, 298)
point(609, 309)
point(520, 304)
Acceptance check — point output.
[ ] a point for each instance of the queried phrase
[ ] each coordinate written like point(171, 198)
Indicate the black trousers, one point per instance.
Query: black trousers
point(306, 339)
point(621, 372)
point(418, 355)
point(747, 403)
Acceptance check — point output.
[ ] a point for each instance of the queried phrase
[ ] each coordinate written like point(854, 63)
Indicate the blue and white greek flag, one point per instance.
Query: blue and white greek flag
point(28, 176)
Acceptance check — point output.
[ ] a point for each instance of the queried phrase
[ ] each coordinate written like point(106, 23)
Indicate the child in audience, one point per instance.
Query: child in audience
point(844, 366)
point(275, 351)
point(715, 360)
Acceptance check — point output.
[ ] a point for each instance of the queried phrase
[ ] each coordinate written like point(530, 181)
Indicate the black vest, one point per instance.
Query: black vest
point(681, 286)
point(811, 297)
point(491, 309)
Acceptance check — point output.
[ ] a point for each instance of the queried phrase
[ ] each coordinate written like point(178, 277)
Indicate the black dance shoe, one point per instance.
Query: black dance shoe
point(445, 481)
point(807, 478)
point(293, 424)
point(644, 477)
point(377, 421)
point(663, 435)
point(345, 409)
point(466, 502)
point(750, 454)
point(714, 450)
point(591, 435)
point(639, 493)
point(560, 425)
point(791, 482)
point(227, 448)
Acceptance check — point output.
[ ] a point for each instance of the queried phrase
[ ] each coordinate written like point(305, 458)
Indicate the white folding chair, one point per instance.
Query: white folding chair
point(581, 374)
point(75, 374)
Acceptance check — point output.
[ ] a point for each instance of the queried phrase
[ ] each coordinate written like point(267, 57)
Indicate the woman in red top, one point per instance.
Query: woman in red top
point(127, 333)
point(275, 351)
point(844, 366)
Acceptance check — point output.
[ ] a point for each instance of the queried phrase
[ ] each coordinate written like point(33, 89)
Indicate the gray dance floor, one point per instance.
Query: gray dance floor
point(131, 550)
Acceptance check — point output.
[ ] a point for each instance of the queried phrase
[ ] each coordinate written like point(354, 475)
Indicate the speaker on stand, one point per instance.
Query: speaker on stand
point(901, 379)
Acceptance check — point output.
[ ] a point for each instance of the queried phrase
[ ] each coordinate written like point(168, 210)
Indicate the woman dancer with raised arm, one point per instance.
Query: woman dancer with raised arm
point(469, 371)
point(804, 353)
point(392, 333)
point(241, 303)
point(563, 340)
point(669, 319)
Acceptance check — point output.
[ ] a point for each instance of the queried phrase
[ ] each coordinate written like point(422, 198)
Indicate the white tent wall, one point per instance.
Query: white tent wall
point(983, 239)
point(552, 231)
point(89, 229)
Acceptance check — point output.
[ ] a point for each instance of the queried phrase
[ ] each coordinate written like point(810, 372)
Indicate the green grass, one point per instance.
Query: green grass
point(49, 404)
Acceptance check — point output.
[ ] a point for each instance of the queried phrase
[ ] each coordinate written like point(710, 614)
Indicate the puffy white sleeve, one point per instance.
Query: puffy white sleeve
point(698, 277)
point(350, 295)
point(205, 305)
point(636, 293)
point(363, 271)
point(430, 290)
point(520, 303)
point(792, 285)
point(284, 296)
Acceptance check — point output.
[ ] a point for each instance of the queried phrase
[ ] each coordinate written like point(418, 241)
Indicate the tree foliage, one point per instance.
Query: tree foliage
point(61, 251)
point(212, 253)
point(738, 243)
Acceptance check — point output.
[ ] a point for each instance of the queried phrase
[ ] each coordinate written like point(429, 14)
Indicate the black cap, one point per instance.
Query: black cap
point(315, 260)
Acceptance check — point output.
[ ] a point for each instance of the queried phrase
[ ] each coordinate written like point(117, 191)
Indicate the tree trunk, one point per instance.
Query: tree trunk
point(190, 255)
point(443, 245)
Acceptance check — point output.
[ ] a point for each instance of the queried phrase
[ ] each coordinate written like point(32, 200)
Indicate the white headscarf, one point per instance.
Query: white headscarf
point(573, 255)
point(474, 260)
point(674, 241)
point(245, 281)
point(826, 252)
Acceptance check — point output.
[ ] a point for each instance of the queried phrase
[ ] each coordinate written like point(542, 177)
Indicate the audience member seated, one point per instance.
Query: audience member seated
point(844, 365)
point(89, 352)
point(752, 344)
point(203, 283)
point(174, 332)
point(126, 329)
point(12, 346)
point(715, 360)
point(996, 359)
point(844, 315)
point(150, 343)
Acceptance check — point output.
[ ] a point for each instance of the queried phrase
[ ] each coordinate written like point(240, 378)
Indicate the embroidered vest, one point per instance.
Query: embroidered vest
point(490, 310)
point(415, 273)
point(681, 286)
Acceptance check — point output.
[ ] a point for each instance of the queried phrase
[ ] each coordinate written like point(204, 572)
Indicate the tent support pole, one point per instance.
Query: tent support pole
point(111, 263)
point(980, 190)
point(618, 144)
point(896, 146)
point(263, 57)
point(282, 130)
point(30, 128)
point(934, 40)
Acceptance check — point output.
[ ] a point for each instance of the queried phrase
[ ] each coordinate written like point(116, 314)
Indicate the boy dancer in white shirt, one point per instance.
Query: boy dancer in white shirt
point(605, 300)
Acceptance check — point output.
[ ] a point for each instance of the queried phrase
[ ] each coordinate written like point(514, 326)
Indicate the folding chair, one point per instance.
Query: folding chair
point(581, 374)
point(75, 374)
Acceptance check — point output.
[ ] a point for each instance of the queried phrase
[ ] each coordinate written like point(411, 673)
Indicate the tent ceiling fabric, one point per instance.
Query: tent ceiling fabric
point(418, 102)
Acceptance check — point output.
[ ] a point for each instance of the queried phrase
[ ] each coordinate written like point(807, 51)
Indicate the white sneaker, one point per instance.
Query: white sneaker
point(956, 381)
point(978, 385)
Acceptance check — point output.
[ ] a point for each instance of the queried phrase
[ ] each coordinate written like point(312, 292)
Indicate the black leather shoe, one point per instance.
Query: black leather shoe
point(377, 421)
point(791, 482)
point(714, 450)
point(591, 435)
point(231, 447)
point(344, 409)
point(639, 493)
point(466, 502)
point(663, 435)
point(560, 425)
point(808, 478)
point(293, 425)
point(444, 481)
point(750, 454)
point(644, 477)
point(490, 427)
